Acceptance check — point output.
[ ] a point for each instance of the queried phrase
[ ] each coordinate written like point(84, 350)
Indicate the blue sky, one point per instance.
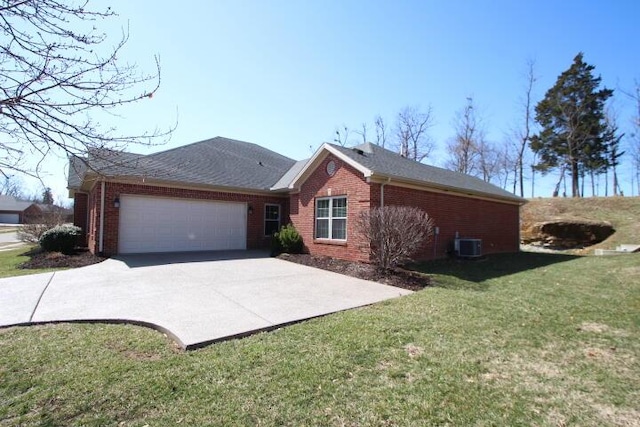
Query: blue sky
point(284, 74)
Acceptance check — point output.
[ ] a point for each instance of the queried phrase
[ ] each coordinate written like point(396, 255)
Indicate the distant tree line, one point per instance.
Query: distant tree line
point(572, 131)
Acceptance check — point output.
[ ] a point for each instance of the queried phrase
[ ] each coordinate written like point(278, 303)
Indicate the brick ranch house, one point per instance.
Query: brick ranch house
point(222, 194)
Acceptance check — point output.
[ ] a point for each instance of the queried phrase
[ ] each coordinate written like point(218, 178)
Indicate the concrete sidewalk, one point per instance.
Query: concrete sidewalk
point(196, 298)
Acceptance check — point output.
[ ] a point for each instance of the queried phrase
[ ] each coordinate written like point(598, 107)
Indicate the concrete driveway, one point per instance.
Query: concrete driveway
point(9, 240)
point(196, 298)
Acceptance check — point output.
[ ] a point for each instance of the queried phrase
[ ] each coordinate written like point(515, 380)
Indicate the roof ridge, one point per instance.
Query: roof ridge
point(222, 149)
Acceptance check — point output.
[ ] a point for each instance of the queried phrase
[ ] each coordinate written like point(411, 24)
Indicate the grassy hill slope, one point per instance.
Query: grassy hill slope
point(622, 212)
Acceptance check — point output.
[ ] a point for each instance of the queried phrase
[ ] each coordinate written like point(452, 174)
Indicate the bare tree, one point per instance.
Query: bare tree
point(394, 233)
point(489, 160)
point(634, 140)
point(463, 148)
point(506, 172)
point(381, 131)
point(614, 153)
point(12, 186)
point(523, 134)
point(342, 135)
point(362, 132)
point(58, 74)
point(412, 128)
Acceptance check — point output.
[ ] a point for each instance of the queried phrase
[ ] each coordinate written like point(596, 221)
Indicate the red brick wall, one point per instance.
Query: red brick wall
point(31, 215)
point(80, 201)
point(346, 181)
point(255, 226)
point(497, 224)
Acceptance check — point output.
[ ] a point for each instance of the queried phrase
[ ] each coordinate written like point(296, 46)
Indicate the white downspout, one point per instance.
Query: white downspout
point(382, 192)
point(101, 237)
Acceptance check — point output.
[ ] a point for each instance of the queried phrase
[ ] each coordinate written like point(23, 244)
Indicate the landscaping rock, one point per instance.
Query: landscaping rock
point(566, 234)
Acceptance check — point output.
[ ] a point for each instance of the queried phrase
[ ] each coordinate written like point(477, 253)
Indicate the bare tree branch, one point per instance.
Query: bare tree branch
point(411, 131)
point(58, 76)
point(381, 131)
point(362, 132)
point(464, 147)
point(342, 135)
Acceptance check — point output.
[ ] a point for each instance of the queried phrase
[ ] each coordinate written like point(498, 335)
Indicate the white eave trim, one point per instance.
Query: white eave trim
point(320, 155)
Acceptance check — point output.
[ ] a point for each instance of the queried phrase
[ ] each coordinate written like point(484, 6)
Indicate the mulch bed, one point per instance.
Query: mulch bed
point(80, 258)
point(398, 277)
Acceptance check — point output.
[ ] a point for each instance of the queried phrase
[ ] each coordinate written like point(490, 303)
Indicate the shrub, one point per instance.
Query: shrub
point(61, 238)
point(287, 240)
point(394, 233)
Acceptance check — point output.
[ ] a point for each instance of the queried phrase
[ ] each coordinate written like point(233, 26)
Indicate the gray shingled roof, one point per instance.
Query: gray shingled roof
point(285, 180)
point(236, 164)
point(387, 163)
point(218, 162)
point(11, 204)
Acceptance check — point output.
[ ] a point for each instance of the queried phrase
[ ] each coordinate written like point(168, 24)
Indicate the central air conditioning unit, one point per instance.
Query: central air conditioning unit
point(468, 248)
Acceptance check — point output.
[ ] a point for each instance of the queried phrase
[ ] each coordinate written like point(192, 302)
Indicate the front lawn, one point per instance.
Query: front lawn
point(528, 339)
point(30, 260)
point(11, 259)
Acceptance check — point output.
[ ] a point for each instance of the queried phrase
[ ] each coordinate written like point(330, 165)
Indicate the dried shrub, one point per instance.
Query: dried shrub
point(394, 233)
point(35, 226)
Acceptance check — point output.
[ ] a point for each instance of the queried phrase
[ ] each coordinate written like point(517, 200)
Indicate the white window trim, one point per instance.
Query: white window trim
point(264, 218)
point(330, 219)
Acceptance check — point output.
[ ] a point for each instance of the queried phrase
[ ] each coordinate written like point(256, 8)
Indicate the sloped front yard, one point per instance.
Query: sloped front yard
point(527, 339)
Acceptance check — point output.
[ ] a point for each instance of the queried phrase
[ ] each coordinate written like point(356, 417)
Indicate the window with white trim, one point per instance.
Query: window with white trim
point(271, 219)
point(331, 218)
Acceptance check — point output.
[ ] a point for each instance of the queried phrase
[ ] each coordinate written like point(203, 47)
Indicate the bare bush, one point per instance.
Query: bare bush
point(395, 233)
point(36, 226)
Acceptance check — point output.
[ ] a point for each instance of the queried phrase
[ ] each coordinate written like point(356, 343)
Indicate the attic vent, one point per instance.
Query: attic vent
point(359, 151)
point(260, 164)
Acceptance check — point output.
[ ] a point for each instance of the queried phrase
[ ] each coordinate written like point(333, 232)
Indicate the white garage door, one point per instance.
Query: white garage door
point(7, 218)
point(154, 224)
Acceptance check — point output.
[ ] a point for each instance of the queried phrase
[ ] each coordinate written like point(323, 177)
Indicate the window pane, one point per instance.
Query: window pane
point(271, 227)
point(340, 207)
point(339, 229)
point(322, 229)
point(322, 208)
point(271, 212)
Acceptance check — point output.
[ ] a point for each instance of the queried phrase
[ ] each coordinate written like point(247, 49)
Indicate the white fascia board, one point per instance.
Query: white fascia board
point(365, 171)
point(320, 155)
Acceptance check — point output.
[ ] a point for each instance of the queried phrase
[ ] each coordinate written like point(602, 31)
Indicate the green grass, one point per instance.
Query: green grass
point(527, 339)
point(10, 259)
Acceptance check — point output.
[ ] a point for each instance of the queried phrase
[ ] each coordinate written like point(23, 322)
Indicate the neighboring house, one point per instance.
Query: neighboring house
point(225, 194)
point(13, 211)
point(42, 213)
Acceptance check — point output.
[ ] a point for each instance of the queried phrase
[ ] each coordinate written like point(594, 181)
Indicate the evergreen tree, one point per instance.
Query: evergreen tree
point(613, 153)
point(47, 196)
point(573, 132)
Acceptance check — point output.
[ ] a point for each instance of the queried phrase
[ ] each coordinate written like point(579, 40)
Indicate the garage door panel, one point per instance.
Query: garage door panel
point(153, 224)
point(9, 218)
